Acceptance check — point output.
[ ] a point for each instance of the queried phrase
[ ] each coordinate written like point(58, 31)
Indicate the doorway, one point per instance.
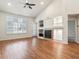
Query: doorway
point(72, 28)
point(71, 31)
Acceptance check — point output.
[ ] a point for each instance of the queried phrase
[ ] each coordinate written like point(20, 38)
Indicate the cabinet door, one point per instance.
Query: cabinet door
point(48, 23)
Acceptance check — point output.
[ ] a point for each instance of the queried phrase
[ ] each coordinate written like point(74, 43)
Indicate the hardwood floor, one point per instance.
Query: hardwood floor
point(37, 49)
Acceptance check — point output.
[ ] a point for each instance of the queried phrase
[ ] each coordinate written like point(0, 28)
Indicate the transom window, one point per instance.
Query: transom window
point(58, 21)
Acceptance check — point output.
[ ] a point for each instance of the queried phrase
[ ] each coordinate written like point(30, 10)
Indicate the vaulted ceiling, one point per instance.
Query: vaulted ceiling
point(16, 6)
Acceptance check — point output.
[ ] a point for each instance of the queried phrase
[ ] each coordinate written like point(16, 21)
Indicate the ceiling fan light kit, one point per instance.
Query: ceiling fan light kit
point(28, 4)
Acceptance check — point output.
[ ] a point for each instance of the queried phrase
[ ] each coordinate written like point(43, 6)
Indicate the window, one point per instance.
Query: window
point(58, 34)
point(16, 24)
point(58, 21)
point(58, 27)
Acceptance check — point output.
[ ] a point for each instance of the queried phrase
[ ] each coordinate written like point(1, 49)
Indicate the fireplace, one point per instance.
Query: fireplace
point(45, 33)
point(41, 33)
point(48, 33)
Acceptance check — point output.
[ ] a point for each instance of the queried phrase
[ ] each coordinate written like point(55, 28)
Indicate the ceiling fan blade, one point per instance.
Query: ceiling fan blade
point(27, 4)
point(32, 4)
point(30, 7)
point(24, 6)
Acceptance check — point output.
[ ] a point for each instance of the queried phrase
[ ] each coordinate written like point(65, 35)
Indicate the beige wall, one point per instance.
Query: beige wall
point(3, 33)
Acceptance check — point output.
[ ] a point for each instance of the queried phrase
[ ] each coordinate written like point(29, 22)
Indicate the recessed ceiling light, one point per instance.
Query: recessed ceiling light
point(42, 3)
point(26, 1)
point(9, 4)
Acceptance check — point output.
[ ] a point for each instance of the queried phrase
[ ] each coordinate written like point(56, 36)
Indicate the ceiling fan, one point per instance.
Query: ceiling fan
point(28, 4)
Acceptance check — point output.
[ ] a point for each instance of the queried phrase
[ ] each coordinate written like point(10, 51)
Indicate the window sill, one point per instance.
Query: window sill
point(16, 33)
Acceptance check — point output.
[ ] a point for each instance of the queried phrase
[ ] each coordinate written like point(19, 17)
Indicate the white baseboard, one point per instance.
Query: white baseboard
point(77, 42)
point(60, 41)
point(14, 38)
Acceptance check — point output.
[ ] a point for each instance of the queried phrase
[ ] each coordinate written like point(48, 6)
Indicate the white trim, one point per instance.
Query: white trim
point(14, 38)
point(77, 41)
point(76, 23)
point(61, 41)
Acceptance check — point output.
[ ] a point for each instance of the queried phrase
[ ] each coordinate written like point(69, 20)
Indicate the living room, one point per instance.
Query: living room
point(35, 29)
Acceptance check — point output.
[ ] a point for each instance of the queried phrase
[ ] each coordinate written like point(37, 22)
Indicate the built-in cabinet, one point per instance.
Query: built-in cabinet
point(48, 23)
point(45, 28)
point(51, 28)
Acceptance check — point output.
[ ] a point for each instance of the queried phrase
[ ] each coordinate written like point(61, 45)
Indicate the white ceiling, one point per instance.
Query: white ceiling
point(17, 7)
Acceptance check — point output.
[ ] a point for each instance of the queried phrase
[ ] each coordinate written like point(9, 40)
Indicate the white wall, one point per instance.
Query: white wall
point(3, 33)
point(55, 9)
point(71, 6)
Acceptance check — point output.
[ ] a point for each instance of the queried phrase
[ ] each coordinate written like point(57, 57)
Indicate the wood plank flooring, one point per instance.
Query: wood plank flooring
point(34, 48)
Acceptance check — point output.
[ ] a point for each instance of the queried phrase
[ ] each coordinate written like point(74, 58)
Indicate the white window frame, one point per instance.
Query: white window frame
point(58, 25)
point(58, 21)
point(17, 24)
point(58, 35)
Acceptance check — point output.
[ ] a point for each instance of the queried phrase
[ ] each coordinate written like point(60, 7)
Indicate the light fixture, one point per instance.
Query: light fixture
point(9, 4)
point(26, 1)
point(42, 3)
